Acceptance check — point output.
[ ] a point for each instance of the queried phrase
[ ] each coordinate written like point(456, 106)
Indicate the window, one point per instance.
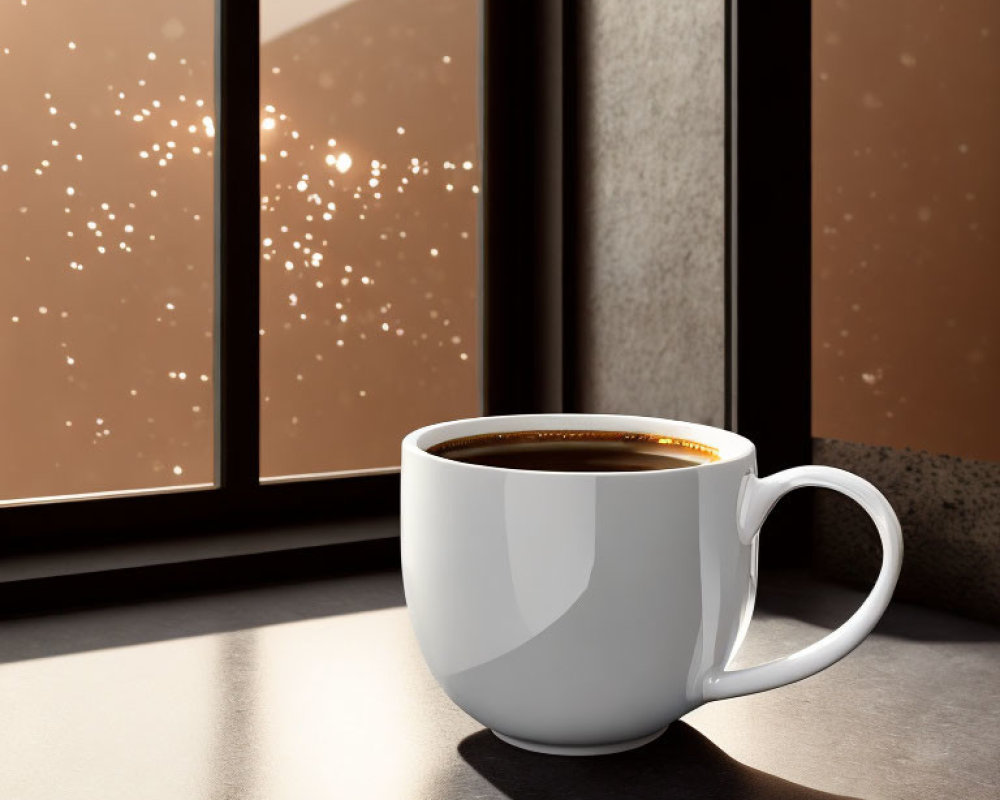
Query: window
point(370, 182)
point(106, 286)
point(906, 110)
point(905, 378)
point(897, 101)
point(242, 434)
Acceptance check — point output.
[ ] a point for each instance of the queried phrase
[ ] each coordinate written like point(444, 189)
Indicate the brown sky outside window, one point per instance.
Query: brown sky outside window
point(906, 242)
point(369, 218)
point(106, 237)
point(106, 217)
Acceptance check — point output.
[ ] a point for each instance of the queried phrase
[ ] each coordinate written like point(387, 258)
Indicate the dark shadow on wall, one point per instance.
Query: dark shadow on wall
point(578, 187)
point(681, 763)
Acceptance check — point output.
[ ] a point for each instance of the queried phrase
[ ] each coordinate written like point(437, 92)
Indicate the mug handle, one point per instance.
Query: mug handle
point(758, 497)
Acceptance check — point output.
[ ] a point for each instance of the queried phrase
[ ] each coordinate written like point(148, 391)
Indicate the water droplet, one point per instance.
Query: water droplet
point(871, 101)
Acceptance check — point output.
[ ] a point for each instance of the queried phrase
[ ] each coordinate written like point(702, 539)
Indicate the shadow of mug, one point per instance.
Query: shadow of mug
point(680, 763)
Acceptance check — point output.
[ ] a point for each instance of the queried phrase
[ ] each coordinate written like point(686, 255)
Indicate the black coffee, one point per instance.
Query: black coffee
point(576, 451)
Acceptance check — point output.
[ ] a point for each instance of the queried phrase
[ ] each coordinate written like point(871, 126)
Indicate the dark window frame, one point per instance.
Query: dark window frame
point(521, 299)
point(769, 248)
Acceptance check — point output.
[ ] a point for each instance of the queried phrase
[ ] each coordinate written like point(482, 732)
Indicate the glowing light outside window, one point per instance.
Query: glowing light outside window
point(369, 270)
point(369, 228)
point(106, 246)
point(369, 210)
point(906, 198)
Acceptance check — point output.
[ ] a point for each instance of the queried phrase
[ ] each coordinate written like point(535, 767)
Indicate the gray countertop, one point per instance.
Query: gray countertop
point(317, 690)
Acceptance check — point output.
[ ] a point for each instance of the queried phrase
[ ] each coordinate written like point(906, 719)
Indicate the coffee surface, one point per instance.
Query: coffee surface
point(576, 451)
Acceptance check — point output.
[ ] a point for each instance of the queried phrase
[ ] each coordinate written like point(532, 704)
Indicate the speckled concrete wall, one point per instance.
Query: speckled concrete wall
point(653, 209)
point(948, 507)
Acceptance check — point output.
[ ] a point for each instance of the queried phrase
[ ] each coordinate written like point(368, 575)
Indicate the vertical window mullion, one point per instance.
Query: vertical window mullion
point(770, 120)
point(523, 159)
point(237, 341)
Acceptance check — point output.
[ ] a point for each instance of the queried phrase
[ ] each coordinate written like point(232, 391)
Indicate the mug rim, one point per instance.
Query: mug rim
point(730, 446)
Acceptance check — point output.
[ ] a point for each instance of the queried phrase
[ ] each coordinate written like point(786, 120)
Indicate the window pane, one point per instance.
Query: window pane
point(906, 198)
point(370, 182)
point(106, 246)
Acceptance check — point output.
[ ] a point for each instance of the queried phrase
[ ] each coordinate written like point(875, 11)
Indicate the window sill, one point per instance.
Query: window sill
point(317, 689)
point(184, 549)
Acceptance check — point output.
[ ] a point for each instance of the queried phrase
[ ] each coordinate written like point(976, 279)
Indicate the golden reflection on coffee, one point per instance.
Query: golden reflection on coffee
point(577, 451)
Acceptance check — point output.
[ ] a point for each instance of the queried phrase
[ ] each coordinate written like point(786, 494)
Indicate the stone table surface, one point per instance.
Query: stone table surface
point(317, 690)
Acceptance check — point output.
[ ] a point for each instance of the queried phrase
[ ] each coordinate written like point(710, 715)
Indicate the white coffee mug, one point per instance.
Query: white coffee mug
point(581, 613)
